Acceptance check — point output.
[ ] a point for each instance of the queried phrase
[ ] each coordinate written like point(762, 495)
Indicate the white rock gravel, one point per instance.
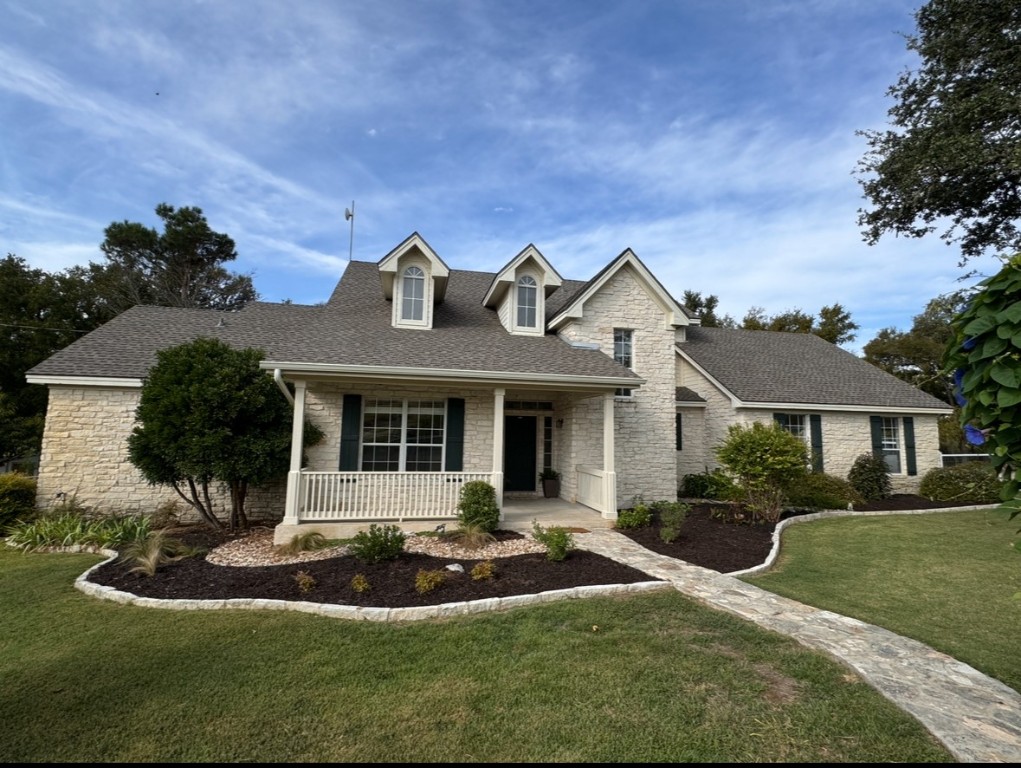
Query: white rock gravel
point(257, 549)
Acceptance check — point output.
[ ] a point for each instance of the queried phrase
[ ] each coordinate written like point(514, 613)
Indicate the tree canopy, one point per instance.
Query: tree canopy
point(180, 267)
point(834, 323)
point(705, 308)
point(950, 160)
point(207, 413)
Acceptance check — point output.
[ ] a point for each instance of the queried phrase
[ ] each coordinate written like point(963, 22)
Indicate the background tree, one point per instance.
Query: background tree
point(180, 267)
point(705, 308)
point(207, 413)
point(40, 313)
point(950, 159)
point(834, 324)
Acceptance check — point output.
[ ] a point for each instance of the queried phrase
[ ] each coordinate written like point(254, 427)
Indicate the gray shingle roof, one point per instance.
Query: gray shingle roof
point(352, 328)
point(685, 395)
point(778, 367)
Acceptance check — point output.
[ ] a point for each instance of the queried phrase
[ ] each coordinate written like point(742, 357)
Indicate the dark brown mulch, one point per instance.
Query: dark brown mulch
point(706, 540)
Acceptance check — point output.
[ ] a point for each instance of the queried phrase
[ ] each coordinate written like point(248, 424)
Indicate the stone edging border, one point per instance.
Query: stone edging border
point(414, 613)
point(775, 551)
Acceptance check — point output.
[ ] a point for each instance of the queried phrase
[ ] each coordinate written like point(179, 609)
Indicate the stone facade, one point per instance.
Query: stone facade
point(85, 457)
point(644, 423)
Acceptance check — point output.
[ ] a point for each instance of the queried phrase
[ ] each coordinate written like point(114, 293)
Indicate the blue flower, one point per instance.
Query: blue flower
point(958, 383)
point(970, 343)
point(974, 435)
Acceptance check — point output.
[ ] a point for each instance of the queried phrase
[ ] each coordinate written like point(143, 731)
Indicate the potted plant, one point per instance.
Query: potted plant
point(550, 483)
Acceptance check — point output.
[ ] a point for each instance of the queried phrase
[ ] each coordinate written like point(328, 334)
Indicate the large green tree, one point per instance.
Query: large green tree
point(834, 323)
point(951, 158)
point(705, 308)
point(179, 267)
point(40, 313)
point(208, 413)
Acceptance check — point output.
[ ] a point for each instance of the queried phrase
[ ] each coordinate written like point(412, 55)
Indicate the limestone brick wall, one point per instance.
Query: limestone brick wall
point(719, 414)
point(84, 455)
point(324, 406)
point(691, 458)
point(645, 454)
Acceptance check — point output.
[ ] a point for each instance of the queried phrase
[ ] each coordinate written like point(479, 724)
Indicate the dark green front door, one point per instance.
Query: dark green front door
point(519, 472)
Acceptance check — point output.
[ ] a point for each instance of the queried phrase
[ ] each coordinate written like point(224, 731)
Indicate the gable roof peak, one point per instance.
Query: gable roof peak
point(505, 277)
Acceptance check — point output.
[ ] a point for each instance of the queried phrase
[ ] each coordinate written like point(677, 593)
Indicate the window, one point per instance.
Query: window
point(622, 344)
point(527, 302)
point(547, 442)
point(402, 435)
point(413, 294)
point(891, 444)
point(793, 423)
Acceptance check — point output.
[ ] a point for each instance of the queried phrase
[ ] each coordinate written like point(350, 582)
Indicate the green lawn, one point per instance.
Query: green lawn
point(946, 579)
point(652, 678)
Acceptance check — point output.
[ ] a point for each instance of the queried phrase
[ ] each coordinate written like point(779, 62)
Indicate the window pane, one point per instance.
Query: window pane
point(527, 295)
point(381, 458)
point(413, 294)
point(622, 346)
point(424, 459)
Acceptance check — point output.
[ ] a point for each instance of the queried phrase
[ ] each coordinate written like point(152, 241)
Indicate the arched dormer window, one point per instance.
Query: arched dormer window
point(413, 294)
point(527, 302)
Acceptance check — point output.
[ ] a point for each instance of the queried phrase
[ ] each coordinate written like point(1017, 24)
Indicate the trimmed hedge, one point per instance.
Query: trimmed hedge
point(973, 482)
point(17, 498)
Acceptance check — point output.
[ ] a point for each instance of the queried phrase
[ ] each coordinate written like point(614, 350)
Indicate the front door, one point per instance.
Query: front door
point(519, 472)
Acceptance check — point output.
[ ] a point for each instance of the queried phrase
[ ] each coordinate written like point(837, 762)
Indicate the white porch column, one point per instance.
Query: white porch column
point(609, 468)
point(292, 505)
point(498, 396)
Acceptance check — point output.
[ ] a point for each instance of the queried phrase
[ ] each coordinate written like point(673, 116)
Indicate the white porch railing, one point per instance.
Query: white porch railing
point(591, 487)
point(366, 496)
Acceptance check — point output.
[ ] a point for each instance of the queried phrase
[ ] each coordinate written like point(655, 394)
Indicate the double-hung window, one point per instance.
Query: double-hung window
point(402, 435)
point(527, 300)
point(891, 443)
point(413, 294)
point(795, 424)
point(623, 342)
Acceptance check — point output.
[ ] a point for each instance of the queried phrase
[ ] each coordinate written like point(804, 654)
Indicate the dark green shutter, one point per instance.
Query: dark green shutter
point(781, 419)
point(909, 444)
point(815, 430)
point(877, 434)
point(454, 461)
point(350, 432)
point(677, 432)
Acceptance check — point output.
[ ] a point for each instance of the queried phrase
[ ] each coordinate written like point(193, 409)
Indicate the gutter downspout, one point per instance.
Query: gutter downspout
point(279, 379)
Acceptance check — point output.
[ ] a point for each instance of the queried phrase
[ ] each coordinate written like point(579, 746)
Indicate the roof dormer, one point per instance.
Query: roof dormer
point(519, 290)
point(415, 280)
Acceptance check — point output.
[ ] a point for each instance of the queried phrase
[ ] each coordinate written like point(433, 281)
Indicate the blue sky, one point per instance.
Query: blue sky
point(715, 138)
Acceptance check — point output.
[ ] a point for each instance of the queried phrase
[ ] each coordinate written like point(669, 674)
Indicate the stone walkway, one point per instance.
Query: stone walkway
point(977, 718)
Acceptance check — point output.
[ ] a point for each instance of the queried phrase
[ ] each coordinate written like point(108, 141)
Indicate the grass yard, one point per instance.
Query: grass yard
point(946, 579)
point(653, 678)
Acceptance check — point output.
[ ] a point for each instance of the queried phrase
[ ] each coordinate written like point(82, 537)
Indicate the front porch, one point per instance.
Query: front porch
point(517, 514)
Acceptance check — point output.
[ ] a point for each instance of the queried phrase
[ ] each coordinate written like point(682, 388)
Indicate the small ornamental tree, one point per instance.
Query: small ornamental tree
point(208, 413)
point(984, 357)
point(765, 460)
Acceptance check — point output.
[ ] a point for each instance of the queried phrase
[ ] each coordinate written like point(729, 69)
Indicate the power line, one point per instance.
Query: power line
point(44, 328)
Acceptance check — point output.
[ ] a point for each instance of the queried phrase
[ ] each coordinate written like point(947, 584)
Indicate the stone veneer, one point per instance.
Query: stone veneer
point(644, 424)
point(845, 434)
point(85, 457)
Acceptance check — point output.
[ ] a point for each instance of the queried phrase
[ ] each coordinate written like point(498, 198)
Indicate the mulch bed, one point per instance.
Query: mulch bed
point(706, 540)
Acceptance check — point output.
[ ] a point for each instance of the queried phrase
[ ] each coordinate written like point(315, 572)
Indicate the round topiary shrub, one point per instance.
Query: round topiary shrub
point(477, 507)
point(715, 485)
point(870, 477)
point(821, 491)
point(974, 482)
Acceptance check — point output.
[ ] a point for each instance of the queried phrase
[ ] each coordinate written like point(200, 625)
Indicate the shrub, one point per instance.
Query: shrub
point(716, 485)
point(359, 583)
point(557, 540)
point(477, 506)
point(472, 536)
point(379, 543)
point(671, 517)
point(427, 581)
point(74, 528)
point(309, 541)
point(870, 477)
point(154, 550)
point(973, 482)
point(638, 516)
point(306, 581)
point(821, 491)
point(766, 460)
point(484, 570)
point(17, 498)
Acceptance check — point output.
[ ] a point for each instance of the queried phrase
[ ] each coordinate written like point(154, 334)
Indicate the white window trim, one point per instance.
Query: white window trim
point(399, 321)
point(897, 429)
point(540, 306)
point(631, 350)
point(403, 445)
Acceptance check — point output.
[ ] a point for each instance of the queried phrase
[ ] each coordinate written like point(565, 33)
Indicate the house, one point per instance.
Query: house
point(424, 377)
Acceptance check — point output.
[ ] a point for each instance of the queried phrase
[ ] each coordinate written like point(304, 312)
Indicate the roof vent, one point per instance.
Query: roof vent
point(220, 323)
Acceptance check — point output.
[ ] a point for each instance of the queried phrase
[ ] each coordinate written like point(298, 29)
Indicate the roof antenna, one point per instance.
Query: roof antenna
point(349, 215)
